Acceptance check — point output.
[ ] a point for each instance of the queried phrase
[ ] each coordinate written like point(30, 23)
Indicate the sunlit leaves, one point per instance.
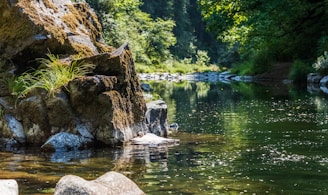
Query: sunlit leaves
point(294, 25)
point(123, 21)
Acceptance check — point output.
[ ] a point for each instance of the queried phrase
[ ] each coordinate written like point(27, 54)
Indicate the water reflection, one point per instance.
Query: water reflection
point(234, 139)
point(69, 156)
point(273, 138)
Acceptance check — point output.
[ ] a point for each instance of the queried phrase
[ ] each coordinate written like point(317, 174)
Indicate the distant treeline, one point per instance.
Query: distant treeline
point(231, 32)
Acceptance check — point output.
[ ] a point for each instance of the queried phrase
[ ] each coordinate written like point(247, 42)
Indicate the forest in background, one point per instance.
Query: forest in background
point(245, 35)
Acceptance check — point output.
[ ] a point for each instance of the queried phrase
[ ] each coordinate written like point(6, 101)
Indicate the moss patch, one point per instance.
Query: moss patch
point(14, 28)
point(121, 110)
point(83, 49)
point(86, 17)
point(46, 21)
point(70, 20)
point(104, 48)
point(50, 5)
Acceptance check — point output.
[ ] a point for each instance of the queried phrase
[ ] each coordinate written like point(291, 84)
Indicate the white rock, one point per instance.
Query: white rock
point(111, 183)
point(152, 139)
point(8, 186)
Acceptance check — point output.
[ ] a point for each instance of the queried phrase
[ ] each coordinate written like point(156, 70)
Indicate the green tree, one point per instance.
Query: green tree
point(190, 30)
point(123, 21)
point(287, 29)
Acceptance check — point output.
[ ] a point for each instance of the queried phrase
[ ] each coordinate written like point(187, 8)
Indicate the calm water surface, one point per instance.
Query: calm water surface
point(235, 139)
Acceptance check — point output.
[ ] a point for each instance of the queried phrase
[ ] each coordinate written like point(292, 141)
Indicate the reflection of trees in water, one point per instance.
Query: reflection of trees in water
point(202, 89)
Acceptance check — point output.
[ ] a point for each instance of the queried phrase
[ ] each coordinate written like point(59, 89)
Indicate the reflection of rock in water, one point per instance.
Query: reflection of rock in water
point(139, 155)
point(68, 156)
point(145, 150)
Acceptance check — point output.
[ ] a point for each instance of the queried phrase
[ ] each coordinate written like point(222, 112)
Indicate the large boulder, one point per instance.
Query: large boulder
point(64, 141)
point(106, 106)
point(111, 101)
point(108, 102)
point(108, 184)
point(8, 186)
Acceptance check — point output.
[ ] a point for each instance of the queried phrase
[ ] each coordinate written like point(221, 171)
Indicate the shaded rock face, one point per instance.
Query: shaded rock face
point(110, 108)
point(117, 100)
point(106, 106)
point(108, 184)
point(156, 118)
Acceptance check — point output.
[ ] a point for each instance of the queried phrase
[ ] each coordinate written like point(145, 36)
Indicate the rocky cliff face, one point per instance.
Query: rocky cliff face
point(106, 106)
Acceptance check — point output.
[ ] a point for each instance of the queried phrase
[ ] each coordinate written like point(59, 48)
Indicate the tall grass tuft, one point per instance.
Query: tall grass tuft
point(52, 75)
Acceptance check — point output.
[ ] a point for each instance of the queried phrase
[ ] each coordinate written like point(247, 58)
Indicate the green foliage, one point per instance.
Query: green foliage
point(289, 30)
point(177, 67)
point(13, 85)
point(52, 75)
point(258, 62)
point(123, 21)
point(245, 68)
point(299, 71)
point(202, 89)
point(202, 58)
point(160, 39)
point(321, 65)
point(186, 61)
point(322, 45)
point(157, 31)
point(263, 58)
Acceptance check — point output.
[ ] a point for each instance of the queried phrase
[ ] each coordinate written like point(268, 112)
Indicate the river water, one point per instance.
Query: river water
point(239, 138)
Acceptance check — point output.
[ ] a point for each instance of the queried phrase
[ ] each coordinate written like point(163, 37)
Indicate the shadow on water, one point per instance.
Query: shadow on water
point(241, 138)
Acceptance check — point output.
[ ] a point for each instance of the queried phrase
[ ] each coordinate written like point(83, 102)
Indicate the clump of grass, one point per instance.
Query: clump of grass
point(52, 75)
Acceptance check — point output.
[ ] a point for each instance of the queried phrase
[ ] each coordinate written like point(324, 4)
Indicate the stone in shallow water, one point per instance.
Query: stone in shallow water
point(8, 186)
point(65, 141)
point(153, 140)
point(108, 184)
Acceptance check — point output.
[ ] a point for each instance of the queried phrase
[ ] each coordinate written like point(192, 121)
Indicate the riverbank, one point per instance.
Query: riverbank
point(279, 72)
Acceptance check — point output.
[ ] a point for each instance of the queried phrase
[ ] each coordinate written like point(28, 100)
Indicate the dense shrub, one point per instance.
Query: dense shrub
point(299, 71)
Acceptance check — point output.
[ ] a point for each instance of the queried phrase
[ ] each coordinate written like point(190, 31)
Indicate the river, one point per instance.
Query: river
point(238, 138)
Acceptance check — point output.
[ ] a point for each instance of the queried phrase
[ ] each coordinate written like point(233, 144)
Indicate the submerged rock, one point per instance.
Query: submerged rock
point(111, 183)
